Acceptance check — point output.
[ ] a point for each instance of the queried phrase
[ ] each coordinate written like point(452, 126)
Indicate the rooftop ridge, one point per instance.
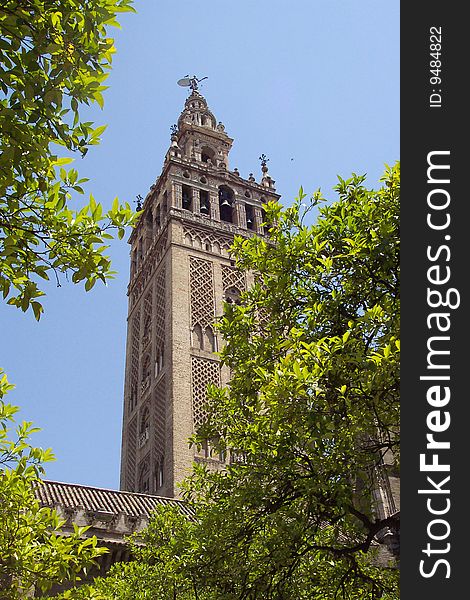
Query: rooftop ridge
point(76, 495)
point(101, 489)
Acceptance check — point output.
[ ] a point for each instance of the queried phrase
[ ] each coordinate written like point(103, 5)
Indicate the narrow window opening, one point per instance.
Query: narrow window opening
point(159, 361)
point(207, 154)
point(204, 206)
point(209, 339)
point(226, 199)
point(159, 474)
point(187, 199)
point(197, 338)
point(250, 217)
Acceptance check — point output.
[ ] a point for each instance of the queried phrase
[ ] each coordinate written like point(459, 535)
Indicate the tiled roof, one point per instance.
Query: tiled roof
point(72, 495)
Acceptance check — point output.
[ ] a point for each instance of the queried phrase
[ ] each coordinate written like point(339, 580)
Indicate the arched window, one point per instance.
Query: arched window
point(187, 197)
point(250, 216)
point(207, 154)
point(209, 340)
point(204, 203)
point(226, 200)
point(196, 338)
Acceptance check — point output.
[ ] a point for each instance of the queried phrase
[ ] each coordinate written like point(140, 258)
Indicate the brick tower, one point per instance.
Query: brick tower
point(181, 274)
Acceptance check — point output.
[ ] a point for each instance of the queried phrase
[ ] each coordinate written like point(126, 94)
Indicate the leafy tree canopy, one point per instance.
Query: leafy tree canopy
point(309, 419)
point(312, 410)
point(54, 58)
point(33, 552)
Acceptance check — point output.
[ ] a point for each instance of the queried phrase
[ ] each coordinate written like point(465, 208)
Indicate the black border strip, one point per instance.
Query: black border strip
point(435, 394)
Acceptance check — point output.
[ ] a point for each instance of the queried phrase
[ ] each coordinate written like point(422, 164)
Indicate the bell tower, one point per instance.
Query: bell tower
point(181, 275)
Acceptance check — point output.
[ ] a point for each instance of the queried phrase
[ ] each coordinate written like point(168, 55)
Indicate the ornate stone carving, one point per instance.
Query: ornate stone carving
point(135, 360)
point(202, 292)
point(160, 308)
point(151, 261)
point(233, 278)
point(147, 323)
point(159, 418)
point(197, 238)
point(203, 372)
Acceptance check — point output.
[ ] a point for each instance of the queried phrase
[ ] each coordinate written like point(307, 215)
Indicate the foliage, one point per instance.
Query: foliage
point(54, 58)
point(162, 566)
point(311, 412)
point(33, 552)
point(312, 409)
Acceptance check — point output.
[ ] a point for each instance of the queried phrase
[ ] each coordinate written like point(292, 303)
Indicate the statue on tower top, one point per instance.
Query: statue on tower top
point(191, 82)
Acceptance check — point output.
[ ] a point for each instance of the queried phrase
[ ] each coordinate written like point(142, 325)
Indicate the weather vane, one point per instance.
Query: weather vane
point(191, 82)
point(264, 163)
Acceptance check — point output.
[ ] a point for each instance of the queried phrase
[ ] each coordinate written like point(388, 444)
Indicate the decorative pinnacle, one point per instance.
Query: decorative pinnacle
point(139, 202)
point(264, 160)
point(174, 129)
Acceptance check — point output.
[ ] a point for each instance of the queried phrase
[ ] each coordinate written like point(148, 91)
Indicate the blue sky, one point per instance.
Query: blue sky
point(312, 84)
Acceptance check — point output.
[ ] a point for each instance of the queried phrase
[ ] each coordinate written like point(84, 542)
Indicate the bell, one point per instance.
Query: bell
point(249, 222)
point(204, 209)
point(225, 202)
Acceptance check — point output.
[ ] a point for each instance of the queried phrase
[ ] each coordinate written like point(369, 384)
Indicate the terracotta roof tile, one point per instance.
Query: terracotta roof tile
point(74, 495)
